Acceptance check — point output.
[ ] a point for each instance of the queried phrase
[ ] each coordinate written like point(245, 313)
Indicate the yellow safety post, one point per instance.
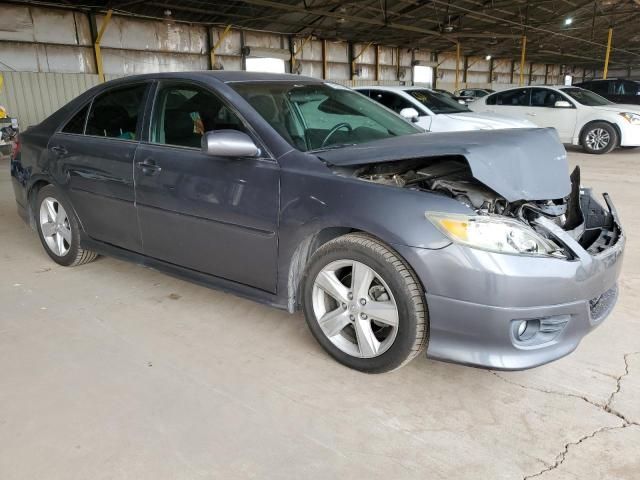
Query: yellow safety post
point(457, 66)
point(222, 36)
point(96, 44)
point(353, 62)
point(523, 56)
point(325, 66)
point(606, 57)
point(294, 55)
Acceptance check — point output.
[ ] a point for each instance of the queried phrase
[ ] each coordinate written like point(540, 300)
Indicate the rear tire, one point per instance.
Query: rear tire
point(350, 289)
point(599, 138)
point(59, 230)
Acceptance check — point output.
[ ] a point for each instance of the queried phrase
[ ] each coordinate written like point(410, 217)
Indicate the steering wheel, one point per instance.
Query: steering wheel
point(334, 130)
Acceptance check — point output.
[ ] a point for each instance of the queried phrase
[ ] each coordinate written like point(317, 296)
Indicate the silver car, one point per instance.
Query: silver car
point(477, 247)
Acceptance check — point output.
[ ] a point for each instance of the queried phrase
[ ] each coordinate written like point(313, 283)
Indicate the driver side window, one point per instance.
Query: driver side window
point(183, 113)
point(391, 100)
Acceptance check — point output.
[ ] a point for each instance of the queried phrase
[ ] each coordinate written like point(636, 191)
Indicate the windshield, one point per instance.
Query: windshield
point(437, 102)
point(586, 97)
point(320, 116)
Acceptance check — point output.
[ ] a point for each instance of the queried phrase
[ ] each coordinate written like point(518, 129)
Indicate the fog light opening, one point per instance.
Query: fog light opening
point(526, 330)
point(522, 328)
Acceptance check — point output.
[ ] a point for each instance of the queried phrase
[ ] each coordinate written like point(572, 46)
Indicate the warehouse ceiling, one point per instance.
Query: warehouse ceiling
point(558, 31)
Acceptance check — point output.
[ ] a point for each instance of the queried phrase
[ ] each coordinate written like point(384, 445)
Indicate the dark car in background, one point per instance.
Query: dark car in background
point(303, 194)
point(616, 90)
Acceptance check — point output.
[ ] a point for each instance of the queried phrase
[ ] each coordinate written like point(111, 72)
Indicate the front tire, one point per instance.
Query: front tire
point(599, 138)
point(364, 304)
point(59, 230)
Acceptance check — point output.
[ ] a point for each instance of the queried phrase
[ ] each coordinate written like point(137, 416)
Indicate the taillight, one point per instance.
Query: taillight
point(15, 149)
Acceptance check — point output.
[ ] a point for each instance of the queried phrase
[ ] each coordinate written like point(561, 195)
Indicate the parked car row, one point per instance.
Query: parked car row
point(580, 116)
point(477, 247)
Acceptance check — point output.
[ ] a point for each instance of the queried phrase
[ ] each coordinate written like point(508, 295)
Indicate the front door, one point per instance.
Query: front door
point(546, 114)
point(215, 215)
point(93, 154)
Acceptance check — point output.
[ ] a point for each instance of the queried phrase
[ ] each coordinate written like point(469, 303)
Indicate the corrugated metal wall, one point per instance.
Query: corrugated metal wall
point(31, 97)
point(37, 41)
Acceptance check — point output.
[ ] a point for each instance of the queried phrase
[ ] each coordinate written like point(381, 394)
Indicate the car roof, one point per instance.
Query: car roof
point(553, 87)
point(223, 76)
point(400, 88)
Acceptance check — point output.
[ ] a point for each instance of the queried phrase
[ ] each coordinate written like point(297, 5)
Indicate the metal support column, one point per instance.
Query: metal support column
point(325, 69)
point(523, 56)
point(96, 45)
point(212, 53)
point(457, 84)
point(606, 57)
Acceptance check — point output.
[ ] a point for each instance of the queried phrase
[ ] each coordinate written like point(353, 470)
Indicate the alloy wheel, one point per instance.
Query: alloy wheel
point(355, 308)
point(55, 227)
point(597, 139)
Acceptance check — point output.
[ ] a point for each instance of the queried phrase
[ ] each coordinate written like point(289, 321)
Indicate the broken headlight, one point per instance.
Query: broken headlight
point(493, 234)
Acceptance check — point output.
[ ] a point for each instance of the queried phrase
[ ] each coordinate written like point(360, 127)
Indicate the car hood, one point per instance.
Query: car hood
point(518, 164)
point(619, 107)
point(488, 121)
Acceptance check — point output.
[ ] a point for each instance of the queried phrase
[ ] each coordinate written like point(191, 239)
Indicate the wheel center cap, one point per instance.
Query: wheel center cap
point(353, 307)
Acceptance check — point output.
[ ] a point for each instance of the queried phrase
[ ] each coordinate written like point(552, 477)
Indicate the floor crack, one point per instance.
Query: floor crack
point(563, 455)
point(606, 407)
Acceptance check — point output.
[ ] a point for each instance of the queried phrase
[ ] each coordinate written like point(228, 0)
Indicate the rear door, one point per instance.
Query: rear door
point(93, 156)
point(215, 215)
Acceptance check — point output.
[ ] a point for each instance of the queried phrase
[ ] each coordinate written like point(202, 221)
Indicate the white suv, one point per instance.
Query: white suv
point(580, 116)
point(436, 112)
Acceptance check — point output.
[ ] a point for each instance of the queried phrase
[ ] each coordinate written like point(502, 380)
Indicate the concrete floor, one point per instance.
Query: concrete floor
point(115, 371)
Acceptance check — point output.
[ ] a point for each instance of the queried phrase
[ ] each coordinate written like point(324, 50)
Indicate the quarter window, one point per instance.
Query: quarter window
point(76, 124)
point(184, 113)
point(115, 113)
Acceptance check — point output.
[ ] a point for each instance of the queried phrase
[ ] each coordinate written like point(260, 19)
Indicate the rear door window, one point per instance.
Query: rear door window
point(115, 113)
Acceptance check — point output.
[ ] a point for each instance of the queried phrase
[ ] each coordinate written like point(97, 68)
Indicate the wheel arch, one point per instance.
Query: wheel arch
point(305, 250)
point(32, 193)
point(591, 122)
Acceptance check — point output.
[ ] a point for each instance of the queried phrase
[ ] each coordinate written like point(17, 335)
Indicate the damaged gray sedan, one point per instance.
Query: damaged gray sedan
point(478, 247)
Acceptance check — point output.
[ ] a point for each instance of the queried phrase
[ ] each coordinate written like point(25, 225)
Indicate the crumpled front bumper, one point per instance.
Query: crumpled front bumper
point(476, 299)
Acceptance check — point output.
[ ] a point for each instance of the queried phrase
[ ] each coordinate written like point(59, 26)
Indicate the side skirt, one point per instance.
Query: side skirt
point(183, 273)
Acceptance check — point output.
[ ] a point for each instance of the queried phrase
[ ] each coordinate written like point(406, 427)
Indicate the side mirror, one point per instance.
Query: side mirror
point(410, 114)
point(229, 143)
point(562, 104)
point(461, 101)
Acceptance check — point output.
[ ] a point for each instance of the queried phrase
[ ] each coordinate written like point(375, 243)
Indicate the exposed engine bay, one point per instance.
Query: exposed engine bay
point(578, 214)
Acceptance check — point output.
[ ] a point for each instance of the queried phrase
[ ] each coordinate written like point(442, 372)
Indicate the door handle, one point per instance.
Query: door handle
point(149, 167)
point(531, 114)
point(59, 149)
